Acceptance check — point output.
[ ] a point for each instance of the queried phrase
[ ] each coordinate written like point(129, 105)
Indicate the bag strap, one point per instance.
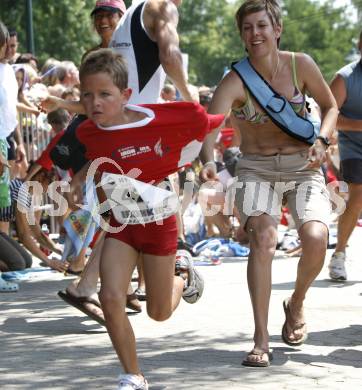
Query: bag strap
point(276, 106)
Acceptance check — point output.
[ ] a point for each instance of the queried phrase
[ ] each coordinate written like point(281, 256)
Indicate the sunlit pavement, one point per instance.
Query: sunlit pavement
point(46, 344)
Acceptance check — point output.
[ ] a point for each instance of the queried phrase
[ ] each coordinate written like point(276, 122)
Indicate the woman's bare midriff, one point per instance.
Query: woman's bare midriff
point(266, 139)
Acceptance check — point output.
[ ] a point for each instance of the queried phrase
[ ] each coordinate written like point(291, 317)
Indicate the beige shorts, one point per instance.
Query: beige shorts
point(265, 181)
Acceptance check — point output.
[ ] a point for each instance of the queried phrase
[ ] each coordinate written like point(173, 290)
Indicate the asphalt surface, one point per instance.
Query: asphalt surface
point(46, 344)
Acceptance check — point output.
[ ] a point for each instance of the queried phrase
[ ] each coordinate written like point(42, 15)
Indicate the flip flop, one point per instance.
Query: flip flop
point(86, 305)
point(8, 286)
point(258, 363)
point(133, 303)
point(71, 272)
point(300, 325)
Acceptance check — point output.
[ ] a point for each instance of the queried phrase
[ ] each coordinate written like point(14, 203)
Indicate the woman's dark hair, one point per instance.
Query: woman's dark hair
point(4, 34)
point(26, 58)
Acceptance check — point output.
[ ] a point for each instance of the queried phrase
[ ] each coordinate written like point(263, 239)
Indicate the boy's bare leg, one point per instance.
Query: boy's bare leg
point(118, 261)
point(164, 289)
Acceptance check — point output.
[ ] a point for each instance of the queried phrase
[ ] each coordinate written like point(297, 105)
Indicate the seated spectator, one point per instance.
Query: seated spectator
point(31, 235)
point(13, 257)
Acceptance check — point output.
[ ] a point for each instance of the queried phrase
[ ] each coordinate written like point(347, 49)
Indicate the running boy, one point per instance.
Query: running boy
point(157, 140)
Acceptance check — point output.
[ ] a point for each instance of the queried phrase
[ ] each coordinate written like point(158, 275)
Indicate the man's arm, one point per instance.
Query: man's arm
point(161, 19)
point(338, 88)
point(52, 103)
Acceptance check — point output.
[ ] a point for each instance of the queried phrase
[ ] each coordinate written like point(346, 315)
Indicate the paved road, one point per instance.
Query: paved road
point(46, 344)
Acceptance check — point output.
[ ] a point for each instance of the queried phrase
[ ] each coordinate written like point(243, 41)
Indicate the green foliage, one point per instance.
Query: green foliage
point(209, 35)
point(63, 29)
point(324, 32)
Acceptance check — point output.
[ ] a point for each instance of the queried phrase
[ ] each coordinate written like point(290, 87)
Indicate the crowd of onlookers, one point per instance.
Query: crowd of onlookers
point(28, 158)
point(37, 132)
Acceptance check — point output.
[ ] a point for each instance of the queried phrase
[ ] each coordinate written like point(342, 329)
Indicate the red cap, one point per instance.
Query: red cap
point(109, 5)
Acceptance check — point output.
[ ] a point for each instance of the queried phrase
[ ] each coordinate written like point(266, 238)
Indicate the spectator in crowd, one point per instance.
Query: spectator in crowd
point(29, 231)
point(8, 98)
point(13, 45)
point(106, 15)
point(168, 93)
point(271, 155)
point(58, 120)
point(22, 78)
point(7, 124)
point(13, 257)
point(346, 88)
point(48, 72)
point(28, 58)
point(68, 74)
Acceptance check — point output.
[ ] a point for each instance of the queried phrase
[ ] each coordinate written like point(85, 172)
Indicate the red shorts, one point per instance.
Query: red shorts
point(153, 239)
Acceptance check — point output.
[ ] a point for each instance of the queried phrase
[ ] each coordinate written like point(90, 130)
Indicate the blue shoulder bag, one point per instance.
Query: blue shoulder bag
point(276, 106)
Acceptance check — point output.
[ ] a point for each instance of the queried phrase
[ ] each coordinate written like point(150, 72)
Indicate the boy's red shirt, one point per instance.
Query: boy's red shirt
point(172, 138)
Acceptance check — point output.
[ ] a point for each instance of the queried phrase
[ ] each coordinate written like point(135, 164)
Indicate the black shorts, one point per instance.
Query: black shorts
point(351, 170)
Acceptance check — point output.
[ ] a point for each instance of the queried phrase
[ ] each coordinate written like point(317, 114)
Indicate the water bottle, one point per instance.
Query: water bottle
point(45, 230)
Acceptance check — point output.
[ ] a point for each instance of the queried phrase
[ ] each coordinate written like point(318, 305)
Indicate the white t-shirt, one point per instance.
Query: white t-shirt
point(8, 100)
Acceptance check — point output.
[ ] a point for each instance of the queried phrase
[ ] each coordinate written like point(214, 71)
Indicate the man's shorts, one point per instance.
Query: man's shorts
point(350, 151)
point(351, 170)
point(266, 180)
point(152, 238)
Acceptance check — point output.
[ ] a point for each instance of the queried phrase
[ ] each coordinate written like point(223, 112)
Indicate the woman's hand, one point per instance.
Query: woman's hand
point(317, 154)
point(58, 265)
point(208, 172)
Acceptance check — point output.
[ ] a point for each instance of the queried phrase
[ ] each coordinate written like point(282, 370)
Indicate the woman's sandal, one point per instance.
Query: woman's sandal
point(261, 362)
point(298, 325)
point(8, 286)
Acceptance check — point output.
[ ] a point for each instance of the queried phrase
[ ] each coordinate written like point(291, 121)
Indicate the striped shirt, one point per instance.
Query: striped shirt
point(7, 214)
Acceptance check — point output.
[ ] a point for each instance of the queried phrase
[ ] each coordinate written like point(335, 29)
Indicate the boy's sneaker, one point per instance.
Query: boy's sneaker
point(337, 269)
point(132, 382)
point(195, 282)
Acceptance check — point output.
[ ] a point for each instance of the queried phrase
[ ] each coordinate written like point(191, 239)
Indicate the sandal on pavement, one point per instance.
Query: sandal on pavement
point(140, 294)
point(86, 305)
point(264, 358)
point(133, 303)
point(297, 325)
point(8, 286)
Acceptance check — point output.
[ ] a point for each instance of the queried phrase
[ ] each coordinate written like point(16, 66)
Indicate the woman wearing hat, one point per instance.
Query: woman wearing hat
point(106, 15)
